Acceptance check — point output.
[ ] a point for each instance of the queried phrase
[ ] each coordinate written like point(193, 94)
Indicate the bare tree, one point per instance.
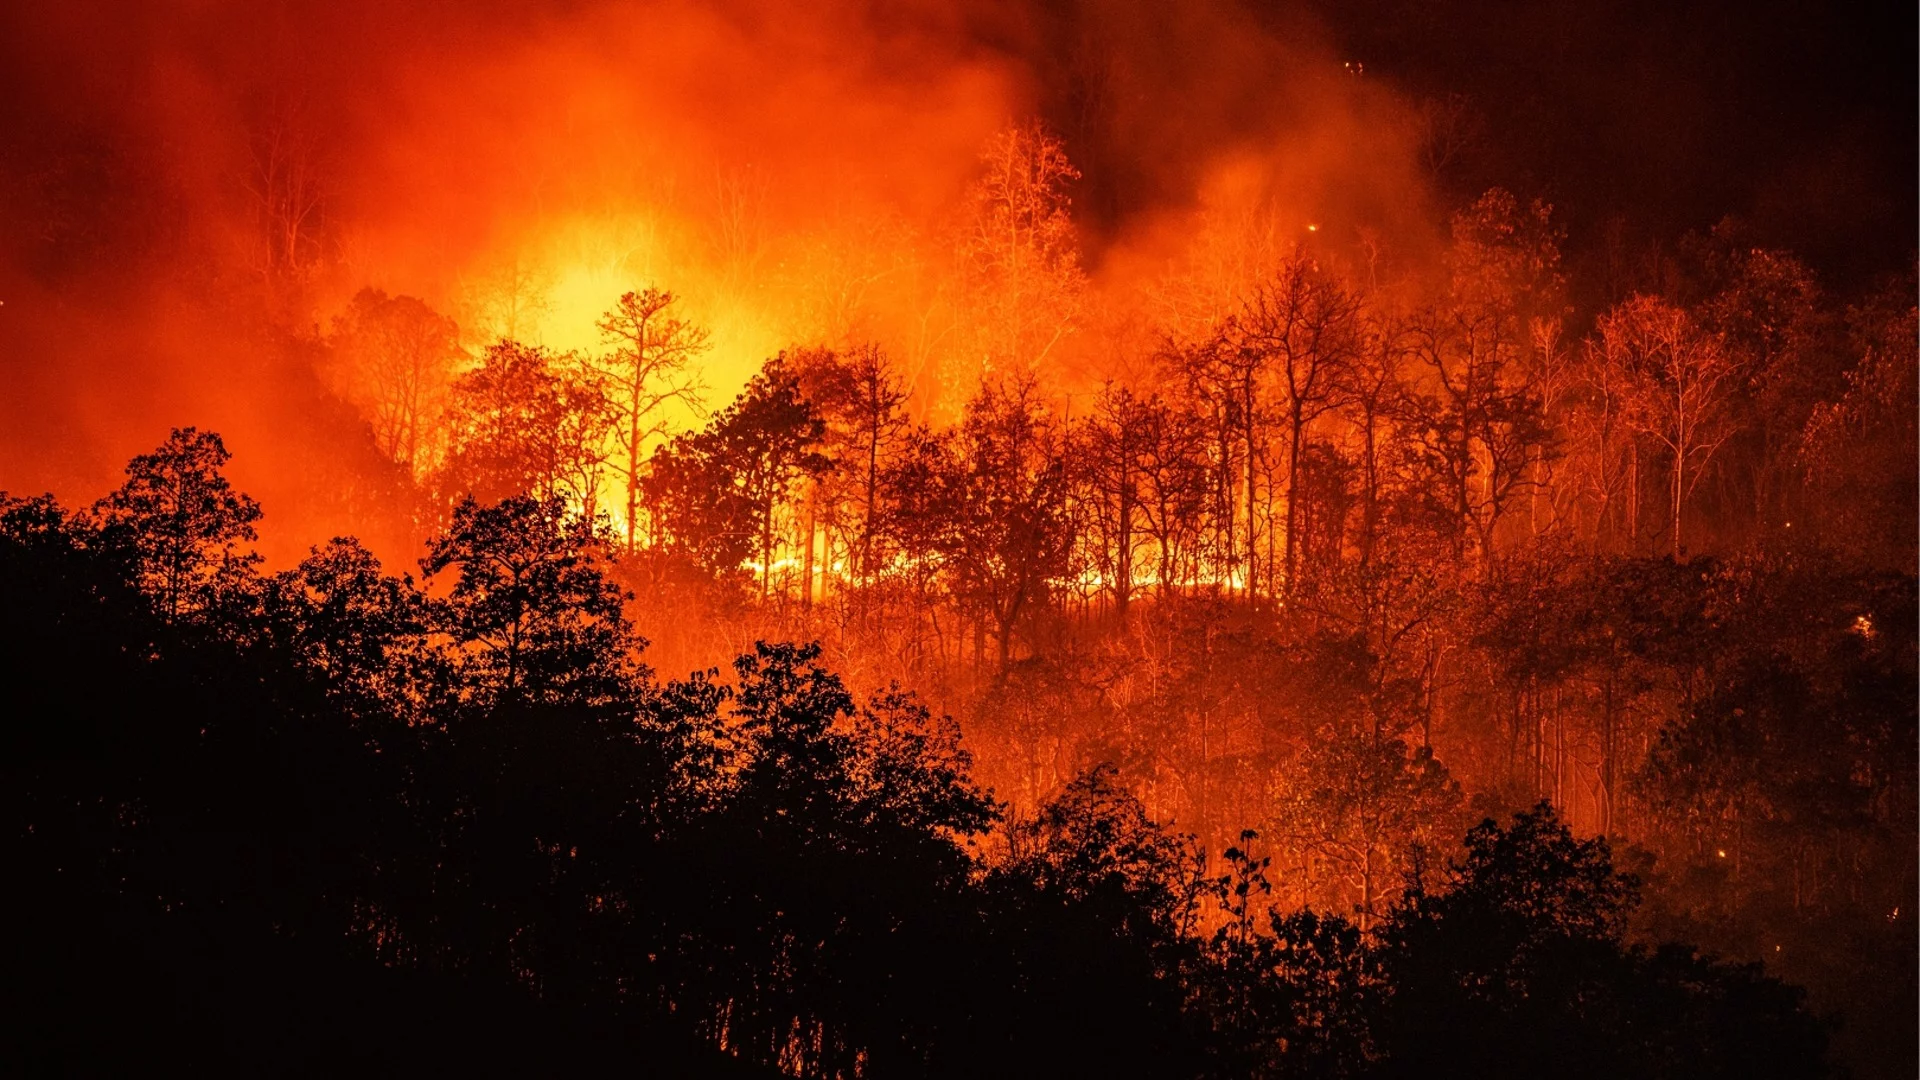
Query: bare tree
point(287, 186)
point(1020, 260)
point(1373, 398)
point(1223, 381)
point(1173, 487)
point(1483, 422)
point(1116, 441)
point(1604, 432)
point(1858, 450)
point(1683, 383)
point(861, 400)
point(1211, 402)
point(506, 301)
point(1449, 127)
point(1301, 325)
point(646, 370)
point(740, 224)
point(400, 356)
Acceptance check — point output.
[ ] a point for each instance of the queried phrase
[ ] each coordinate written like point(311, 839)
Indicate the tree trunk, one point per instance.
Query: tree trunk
point(1633, 502)
point(1293, 517)
point(806, 588)
point(1253, 515)
point(633, 474)
point(1679, 495)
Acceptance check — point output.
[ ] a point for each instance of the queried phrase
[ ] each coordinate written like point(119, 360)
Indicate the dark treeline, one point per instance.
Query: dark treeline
point(330, 819)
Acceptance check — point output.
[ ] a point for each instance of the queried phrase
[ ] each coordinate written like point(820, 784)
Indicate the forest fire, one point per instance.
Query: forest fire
point(951, 538)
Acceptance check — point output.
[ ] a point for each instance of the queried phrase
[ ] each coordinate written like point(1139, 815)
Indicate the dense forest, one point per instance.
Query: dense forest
point(964, 539)
point(1239, 650)
point(327, 820)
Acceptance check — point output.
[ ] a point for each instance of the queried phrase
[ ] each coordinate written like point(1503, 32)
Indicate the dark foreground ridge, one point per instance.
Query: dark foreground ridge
point(328, 821)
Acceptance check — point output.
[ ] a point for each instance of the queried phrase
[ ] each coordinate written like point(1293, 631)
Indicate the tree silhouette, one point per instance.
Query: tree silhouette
point(400, 356)
point(861, 401)
point(348, 794)
point(699, 515)
point(524, 425)
point(341, 614)
point(769, 438)
point(718, 492)
point(184, 522)
point(645, 373)
point(532, 614)
point(1518, 963)
point(1006, 540)
point(1681, 386)
point(1303, 321)
point(1020, 261)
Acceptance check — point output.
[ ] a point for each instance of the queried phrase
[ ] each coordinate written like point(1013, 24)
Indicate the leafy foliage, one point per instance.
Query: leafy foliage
point(346, 793)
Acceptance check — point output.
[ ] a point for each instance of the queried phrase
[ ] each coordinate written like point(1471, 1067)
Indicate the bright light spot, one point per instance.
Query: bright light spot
point(565, 279)
point(1722, 853)
point(761, 569)
point(1863, 625)
point(1313, 228)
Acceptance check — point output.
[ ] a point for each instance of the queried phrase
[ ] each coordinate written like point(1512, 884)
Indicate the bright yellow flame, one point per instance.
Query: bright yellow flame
point(572, 273)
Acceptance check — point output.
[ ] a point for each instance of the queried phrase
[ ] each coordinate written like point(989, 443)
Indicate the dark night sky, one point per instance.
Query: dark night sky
point(1797, 116)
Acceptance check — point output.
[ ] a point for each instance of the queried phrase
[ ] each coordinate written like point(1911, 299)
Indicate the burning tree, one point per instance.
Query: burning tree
point(717, 493)
point(1482, 420)
point(1299, 330)
point(524, 422)
point(645, 372)
point(1681, 386)
point(861, 400)
point(1019, 257)
point(400, 357)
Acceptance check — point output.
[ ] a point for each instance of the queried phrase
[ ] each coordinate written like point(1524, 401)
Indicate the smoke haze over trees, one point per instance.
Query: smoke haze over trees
point(1237, 540)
